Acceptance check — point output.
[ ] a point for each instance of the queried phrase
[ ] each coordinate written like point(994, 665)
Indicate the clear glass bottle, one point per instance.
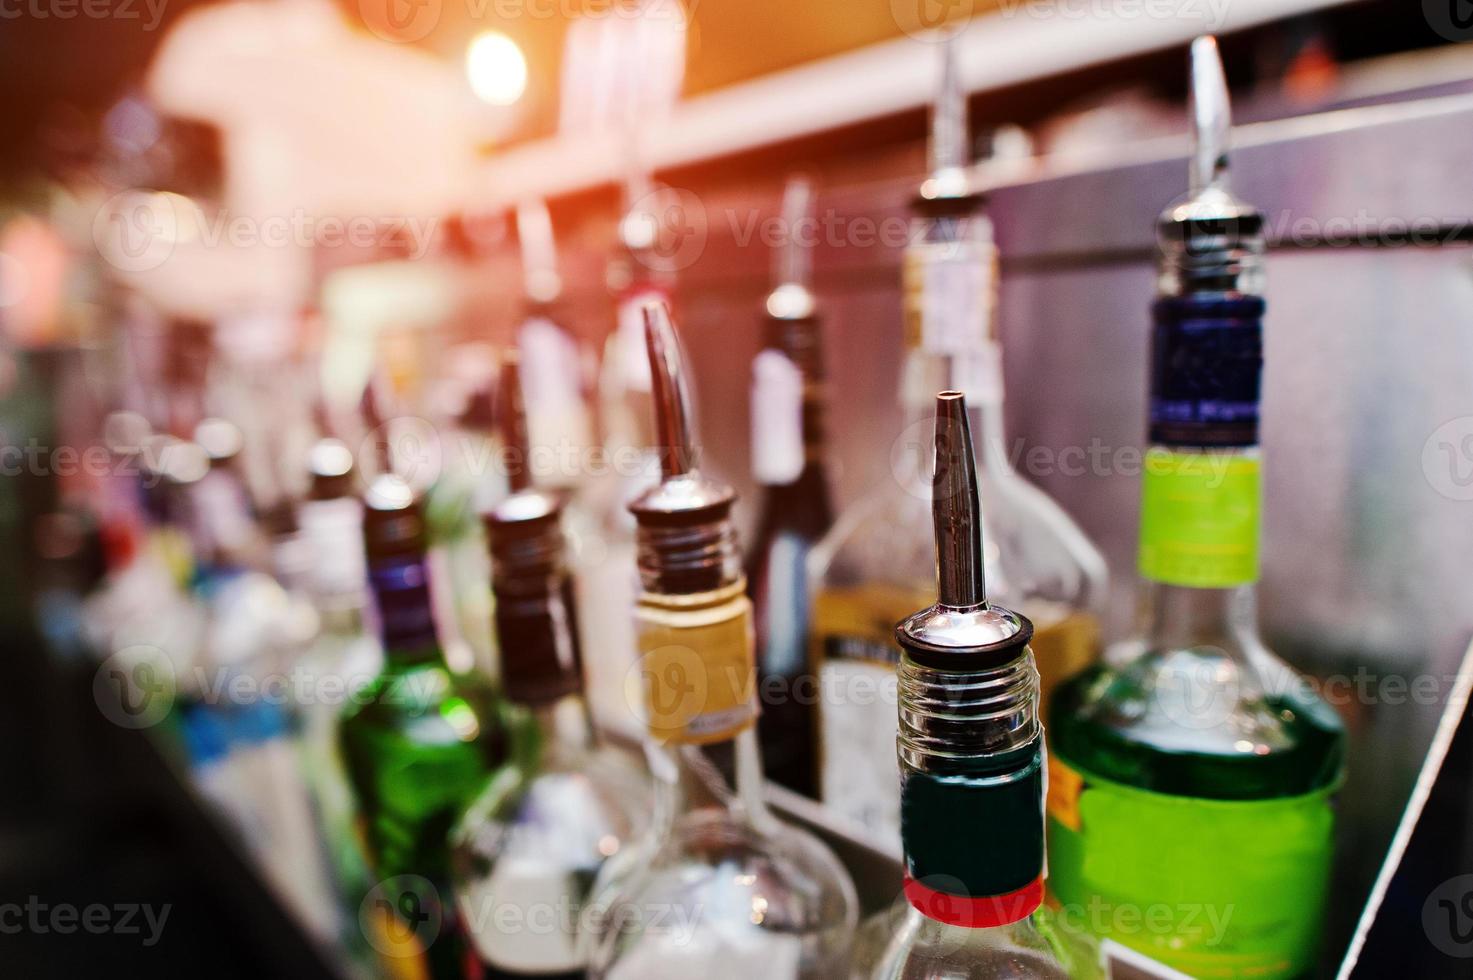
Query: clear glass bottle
point(795, 510)
point(876, 564)
point(420, 742)
point(971, 755)
point(1191, 747)
point(721, 888)
point(527, 851)
point(344, 657)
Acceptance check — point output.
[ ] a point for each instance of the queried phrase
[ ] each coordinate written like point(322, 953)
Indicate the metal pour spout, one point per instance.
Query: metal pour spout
point(513, 424)
point(1210, 117)
point(956, 511)
point(673, 415)
point(949, 151)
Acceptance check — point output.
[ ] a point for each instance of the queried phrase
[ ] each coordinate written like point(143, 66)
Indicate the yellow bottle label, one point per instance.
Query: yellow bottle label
point(1064, 787)
point(699, 669)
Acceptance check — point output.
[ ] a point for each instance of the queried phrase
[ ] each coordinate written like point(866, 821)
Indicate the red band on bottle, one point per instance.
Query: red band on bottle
point(975, 913)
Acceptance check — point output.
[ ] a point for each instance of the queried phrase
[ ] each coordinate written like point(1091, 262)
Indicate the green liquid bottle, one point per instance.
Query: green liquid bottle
point(1190, 813)
point(419, 742)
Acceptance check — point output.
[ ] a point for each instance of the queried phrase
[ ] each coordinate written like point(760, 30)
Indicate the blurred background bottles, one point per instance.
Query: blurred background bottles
point(419, 740)
point(532, 843)
point(721, 888)
point(972, 764)
point(795, 510)
point(874, 567)
point(1191, 747)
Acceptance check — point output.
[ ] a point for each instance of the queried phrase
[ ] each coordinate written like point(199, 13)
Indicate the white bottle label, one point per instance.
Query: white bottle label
point(777, 419)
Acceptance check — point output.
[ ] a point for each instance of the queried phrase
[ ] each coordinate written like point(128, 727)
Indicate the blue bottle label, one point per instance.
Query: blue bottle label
point(1206, 367)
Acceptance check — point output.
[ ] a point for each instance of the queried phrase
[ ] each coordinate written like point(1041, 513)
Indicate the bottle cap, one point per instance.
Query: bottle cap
point(330, 464)
point(393, 519)
point(220, 438)
point(962, 631)
point(686, 543)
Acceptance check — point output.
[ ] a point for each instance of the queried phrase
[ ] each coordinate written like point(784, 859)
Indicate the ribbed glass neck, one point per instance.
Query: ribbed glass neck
point(960, 722)
point(684, 558)
point(971, 792)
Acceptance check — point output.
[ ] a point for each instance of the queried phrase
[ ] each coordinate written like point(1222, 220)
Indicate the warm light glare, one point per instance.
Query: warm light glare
point(496, 68)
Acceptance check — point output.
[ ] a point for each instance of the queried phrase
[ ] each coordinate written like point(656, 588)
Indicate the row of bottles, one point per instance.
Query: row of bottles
point(560, 697)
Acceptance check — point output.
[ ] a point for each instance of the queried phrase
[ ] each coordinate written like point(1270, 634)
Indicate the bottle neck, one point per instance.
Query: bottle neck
point(564, 725)
point(537, 635)
point(972, 776)
point(406, 619)
point(700, 688)
point(1201, 482)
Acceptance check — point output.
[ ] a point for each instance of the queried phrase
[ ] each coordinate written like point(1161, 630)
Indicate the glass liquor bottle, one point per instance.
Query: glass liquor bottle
point(721, 888)
point(533, 841)
point(1191, 747)
point(419, 742)
point(345, 655)
point(875, 565)
point(788, 401)
point(972, 766)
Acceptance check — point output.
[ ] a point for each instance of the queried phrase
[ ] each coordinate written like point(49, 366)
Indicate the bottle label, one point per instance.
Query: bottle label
point(948, 289)
point(402, 594)
point(1213, 888)
point(1199, 519)
point(1206, 365)
point(947, 849)
point(777, 419)
point(699, 671)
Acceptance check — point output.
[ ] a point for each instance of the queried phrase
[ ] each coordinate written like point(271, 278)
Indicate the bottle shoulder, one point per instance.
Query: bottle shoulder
point(1196, 723)
point(919, 948)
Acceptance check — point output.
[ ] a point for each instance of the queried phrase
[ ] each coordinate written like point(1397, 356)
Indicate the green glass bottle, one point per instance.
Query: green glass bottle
point(419, 742)
point(1190, 784)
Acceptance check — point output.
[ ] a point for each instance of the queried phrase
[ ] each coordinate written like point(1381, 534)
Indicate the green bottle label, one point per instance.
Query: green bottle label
point(1199, 519)
point(1214, 888)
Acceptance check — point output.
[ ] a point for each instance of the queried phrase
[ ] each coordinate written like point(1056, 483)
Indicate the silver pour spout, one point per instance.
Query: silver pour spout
point(513, 424)
point(962, 631)
point(1211, 117)
point(540, 280)
point(956, 511)
point(792, 262)
point(673, 415)
point(1211, 241)
point(949, 154)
